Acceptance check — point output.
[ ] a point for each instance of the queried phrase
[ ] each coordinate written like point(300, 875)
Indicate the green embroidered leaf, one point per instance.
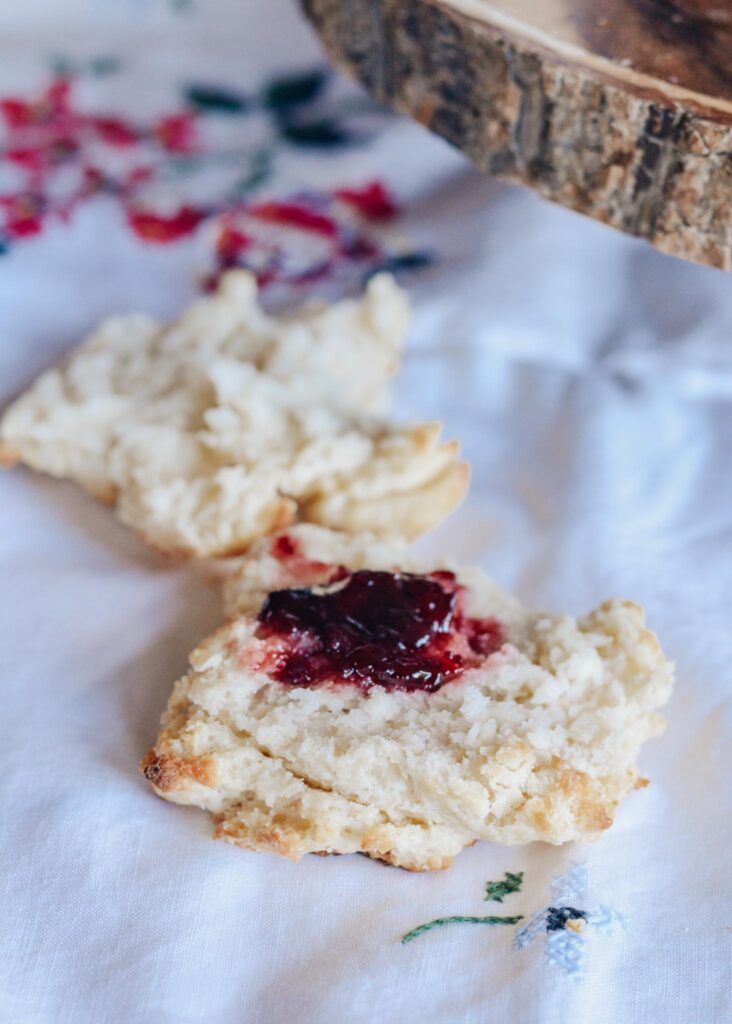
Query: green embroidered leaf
point(99, 67)
point(405, 261)
point(293, 90)
point(260, 170)
point(324, 134)
point(510, 883)
point(180, 166)
point(215, 100)
point(440, 921)
point(62, 66)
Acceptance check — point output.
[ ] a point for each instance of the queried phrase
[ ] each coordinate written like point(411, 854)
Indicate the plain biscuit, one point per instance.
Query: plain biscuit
point(229, 423)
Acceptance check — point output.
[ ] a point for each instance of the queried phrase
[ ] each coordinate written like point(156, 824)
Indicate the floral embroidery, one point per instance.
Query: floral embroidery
point(494, 891)
point(57, 156)
point(309, 237)
point(511, 882)
point(440, 921)
point(63, 156)
point(561, 921)
point(564, 925)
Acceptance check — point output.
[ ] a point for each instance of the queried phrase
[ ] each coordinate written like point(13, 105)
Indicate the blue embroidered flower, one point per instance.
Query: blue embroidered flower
point(562, 921)
point(564, 924)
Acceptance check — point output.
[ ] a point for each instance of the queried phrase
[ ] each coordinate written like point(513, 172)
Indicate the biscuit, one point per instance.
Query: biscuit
point(229, 423)
point(360, 701)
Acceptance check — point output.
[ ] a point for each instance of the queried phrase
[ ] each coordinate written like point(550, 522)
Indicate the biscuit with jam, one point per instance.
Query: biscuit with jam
point(360, 701)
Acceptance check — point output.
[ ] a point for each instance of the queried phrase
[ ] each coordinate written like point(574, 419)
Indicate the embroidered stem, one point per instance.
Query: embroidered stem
point(440, 921)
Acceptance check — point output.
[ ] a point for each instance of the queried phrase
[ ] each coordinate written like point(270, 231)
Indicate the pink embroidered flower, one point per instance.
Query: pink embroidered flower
point(63, 156)
point(114, 131)
point(230, 244)
point(51, 106)
point(177, 133)
point(319, 243)
point(42, 134)
point(32, 160)
point(295, 215)
point(159, 229)
point(16, 113)
point(137, 176)
point(93, 181)
point(372, 201)
point(23, 215)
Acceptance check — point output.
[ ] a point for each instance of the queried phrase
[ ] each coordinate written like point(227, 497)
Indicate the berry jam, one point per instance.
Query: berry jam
point(395, 630)
point(285, 546)
point(288, 550)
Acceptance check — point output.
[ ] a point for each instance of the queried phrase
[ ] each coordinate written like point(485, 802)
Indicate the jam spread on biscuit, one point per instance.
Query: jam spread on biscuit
point(284, 547)
point(392, 629)
point(288, 550)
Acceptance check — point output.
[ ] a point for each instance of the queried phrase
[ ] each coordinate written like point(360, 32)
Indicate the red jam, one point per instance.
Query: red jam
point(395, 630)
point(288, 550)
point(285, 546)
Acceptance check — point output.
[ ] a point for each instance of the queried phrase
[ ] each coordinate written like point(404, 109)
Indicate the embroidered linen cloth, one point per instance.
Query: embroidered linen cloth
point(144, 147)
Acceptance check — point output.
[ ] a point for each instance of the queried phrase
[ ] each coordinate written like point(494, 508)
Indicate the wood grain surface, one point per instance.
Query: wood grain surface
point(620, 109)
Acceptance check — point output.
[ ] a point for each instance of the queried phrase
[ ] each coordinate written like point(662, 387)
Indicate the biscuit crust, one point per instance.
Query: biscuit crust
point(539, 742)
point(228, 424)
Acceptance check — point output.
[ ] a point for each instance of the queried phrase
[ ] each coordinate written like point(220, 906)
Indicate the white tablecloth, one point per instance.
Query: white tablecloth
point(590, 380)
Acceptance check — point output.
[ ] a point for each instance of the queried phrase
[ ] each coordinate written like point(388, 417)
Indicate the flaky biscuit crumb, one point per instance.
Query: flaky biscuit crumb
point(537, 742)
point(229, 424)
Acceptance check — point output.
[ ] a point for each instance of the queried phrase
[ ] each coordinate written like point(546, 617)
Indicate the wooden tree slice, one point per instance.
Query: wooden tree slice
point(620, 109)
